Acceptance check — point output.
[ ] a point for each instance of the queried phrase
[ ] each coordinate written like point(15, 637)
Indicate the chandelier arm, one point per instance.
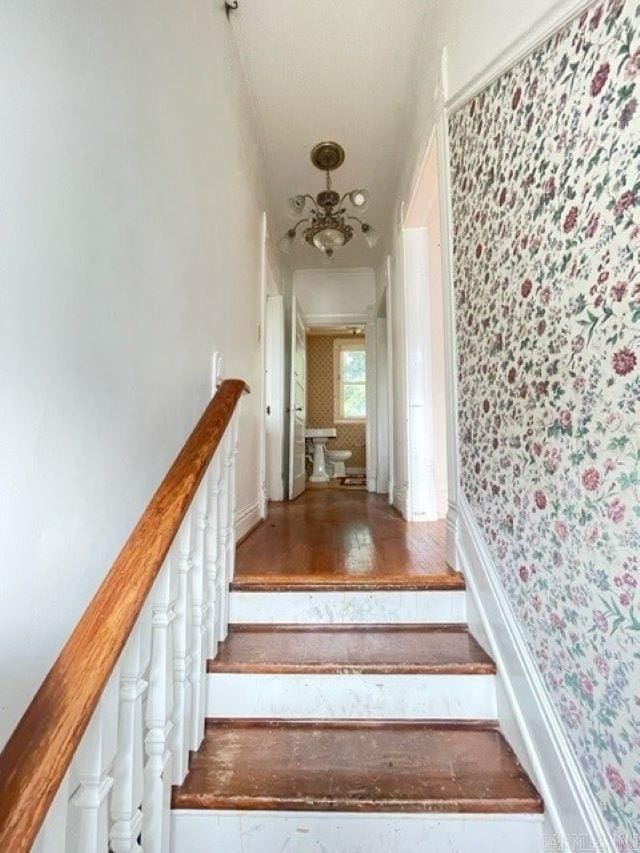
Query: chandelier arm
point(299, 222)
point(356, 219)
point(313, 201)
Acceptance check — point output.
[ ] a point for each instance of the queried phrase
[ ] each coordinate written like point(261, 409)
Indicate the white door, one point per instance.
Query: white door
point(297, 422)
point(275, 398)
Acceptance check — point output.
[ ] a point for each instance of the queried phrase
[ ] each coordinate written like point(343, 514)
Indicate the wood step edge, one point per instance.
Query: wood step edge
point(338, 627)
point(352, 723)
point(272, 668)
point(433, 583)
point(503, 805)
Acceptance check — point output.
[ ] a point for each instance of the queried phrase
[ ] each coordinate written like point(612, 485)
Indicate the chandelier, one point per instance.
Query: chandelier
point(327, 223)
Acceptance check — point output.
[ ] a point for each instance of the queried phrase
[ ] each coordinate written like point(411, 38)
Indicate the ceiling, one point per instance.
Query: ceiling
point(331, 69)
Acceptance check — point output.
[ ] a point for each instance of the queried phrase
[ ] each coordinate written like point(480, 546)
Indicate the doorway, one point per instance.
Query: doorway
point(425, 403)
point(338, 401)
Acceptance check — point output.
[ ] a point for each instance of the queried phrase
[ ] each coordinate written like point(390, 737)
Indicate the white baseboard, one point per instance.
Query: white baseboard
point(527, 715)
point(247, 518)
point(401, 501)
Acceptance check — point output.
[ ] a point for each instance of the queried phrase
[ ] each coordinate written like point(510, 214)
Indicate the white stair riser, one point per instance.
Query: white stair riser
point(311, 696)
point(378, 607)
point(195, 831)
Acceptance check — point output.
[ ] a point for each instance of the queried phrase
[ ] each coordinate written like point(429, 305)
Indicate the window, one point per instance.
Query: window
point(350, 371)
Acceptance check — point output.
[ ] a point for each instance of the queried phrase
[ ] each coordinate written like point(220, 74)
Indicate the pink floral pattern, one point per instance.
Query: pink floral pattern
point(546, 188)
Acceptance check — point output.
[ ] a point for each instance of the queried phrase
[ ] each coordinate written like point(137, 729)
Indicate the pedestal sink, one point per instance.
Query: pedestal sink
point(319, 437)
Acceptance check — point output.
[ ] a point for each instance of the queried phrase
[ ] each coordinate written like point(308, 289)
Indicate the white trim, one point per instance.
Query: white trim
point(401, 500)
point(339, 346)
point(569, 802)
point(262, 338)
point(551, 22)
point(390, 390)
point(334, 319)
point(371, 426)
point(247, 518)
point(448, 301)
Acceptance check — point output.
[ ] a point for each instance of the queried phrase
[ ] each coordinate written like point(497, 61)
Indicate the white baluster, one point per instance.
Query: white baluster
point(92, 765)
point(211, 546)
point(182, 641)
point(158, 713)
point(128, 786)
point(198, 619)
point(223, 524)
point(53, 834)
point(230, 533)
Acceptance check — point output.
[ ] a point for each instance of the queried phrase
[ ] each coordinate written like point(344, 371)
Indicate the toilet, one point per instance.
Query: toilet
point(336, 462)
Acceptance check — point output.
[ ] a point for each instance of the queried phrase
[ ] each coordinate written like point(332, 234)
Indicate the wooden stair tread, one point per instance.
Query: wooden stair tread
point(356, 766)
point(332, 582)
point(390, 649)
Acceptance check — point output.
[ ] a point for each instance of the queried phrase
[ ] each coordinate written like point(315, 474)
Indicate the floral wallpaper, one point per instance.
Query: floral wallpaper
point(546, 189)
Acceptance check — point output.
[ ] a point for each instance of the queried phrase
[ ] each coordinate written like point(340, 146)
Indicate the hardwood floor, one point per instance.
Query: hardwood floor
point(332, 539)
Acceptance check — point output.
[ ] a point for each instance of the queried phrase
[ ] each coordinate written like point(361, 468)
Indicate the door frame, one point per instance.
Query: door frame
point(296, 315)
point(271, 286)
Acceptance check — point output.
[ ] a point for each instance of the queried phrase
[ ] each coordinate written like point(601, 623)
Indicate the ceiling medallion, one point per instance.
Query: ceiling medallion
point(327, 222)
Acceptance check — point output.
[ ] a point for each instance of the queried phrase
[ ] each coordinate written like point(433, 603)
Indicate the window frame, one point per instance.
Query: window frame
point(341, 345)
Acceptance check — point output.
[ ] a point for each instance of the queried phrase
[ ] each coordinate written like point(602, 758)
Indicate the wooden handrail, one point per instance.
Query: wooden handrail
point(40, 750)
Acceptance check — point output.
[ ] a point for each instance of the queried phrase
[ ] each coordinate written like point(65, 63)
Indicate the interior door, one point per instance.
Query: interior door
point(275, 381)
point(297, 413)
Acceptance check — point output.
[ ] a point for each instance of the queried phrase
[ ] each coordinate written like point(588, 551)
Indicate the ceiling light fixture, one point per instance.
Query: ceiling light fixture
point(328, 224)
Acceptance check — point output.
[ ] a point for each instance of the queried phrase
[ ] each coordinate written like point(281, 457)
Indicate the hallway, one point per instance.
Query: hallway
point(334, 355)
point(341, 539)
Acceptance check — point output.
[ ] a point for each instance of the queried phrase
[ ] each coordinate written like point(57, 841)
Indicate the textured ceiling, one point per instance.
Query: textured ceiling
point(331, 69)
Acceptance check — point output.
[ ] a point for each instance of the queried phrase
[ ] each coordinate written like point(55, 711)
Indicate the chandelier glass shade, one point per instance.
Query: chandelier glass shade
point(324, 221)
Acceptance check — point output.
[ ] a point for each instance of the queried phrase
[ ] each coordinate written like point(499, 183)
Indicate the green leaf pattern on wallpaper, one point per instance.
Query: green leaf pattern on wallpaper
point(546, 195)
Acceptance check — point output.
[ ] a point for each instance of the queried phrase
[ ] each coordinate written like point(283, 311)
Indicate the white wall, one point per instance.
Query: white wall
point(474, 33)
point(341, 295)
point(123, 141)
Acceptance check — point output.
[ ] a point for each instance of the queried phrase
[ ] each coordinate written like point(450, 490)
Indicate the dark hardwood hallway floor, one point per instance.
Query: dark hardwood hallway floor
point(332, 539)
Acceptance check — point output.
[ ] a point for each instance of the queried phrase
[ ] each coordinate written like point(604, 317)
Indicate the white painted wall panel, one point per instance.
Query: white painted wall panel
point(123, 139)
point(348, 607)
point(307, 832)
point(349, 696)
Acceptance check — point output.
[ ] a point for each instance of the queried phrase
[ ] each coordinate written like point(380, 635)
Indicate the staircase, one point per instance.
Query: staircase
point(332, 727)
